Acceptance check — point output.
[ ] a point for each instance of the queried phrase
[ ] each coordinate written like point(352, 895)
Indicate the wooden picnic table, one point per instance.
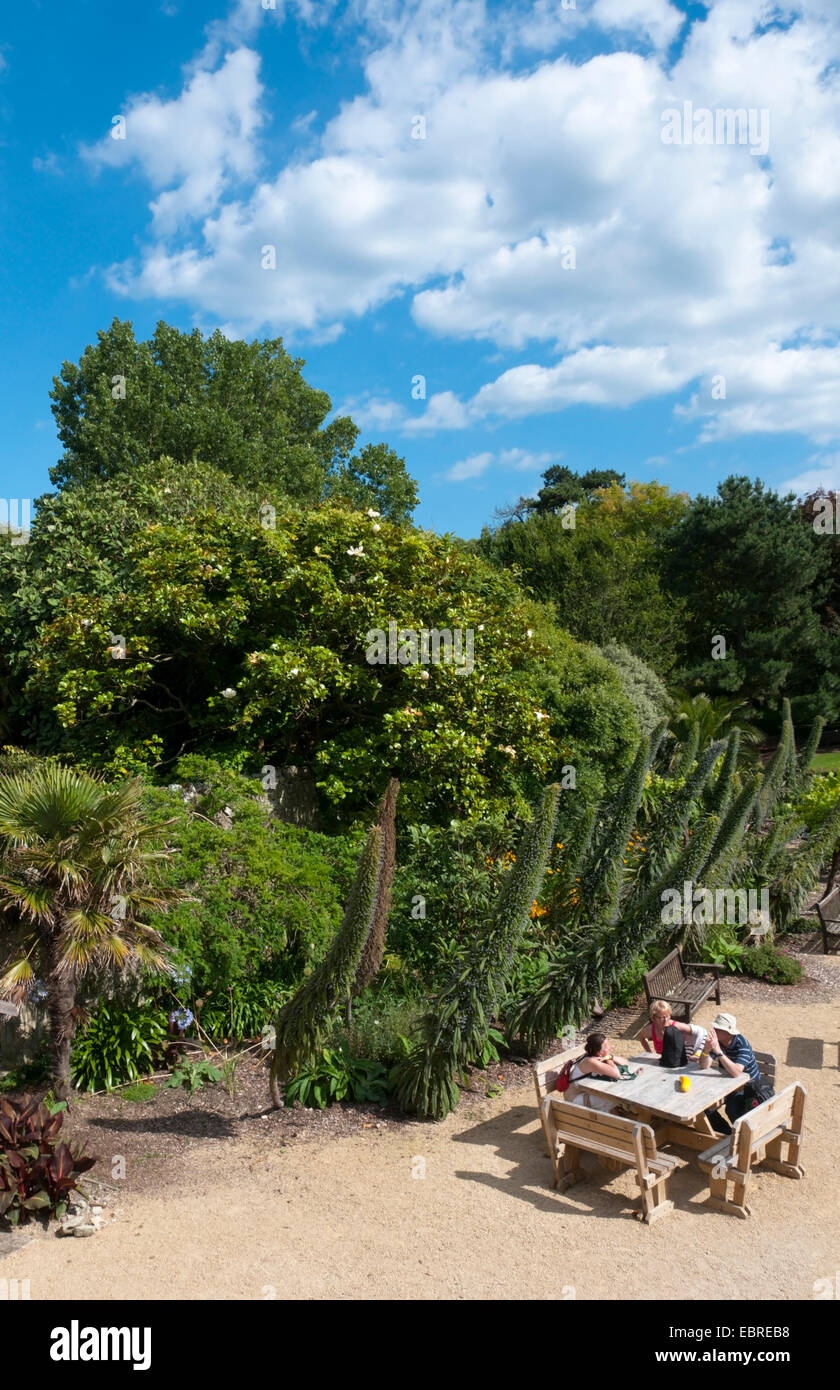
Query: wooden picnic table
point(654, 1097)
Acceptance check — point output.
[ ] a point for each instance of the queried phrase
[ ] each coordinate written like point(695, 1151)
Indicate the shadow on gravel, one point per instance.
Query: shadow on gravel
point(202, 1124)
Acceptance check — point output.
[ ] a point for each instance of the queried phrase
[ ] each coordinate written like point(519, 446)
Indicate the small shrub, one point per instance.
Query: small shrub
point(379, 1025)
point(27, 1077)
point(766, 962)
point(336, 1076)
point(630, 985)
point(117, 1045)
point(37, 1173)
point(193, 1075)
point(725, 950)
point(242, 1011)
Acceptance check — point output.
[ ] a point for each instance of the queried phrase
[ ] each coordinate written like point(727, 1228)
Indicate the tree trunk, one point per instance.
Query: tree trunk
point(60, 1004)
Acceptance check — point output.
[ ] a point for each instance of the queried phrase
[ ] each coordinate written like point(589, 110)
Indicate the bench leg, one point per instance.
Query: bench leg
point(719, 1199)
point(655, 1201)
point(775, 1160)
point(569, 1171)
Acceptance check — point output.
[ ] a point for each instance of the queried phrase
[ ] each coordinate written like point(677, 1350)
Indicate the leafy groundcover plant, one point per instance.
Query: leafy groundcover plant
point(336, 1076)
point(37, 1174)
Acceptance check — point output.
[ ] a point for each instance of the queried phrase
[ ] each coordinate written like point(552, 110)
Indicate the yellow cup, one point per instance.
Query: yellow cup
point(685, 1083)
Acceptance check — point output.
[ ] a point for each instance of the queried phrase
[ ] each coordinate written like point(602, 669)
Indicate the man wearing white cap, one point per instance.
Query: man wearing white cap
point(731, 1052)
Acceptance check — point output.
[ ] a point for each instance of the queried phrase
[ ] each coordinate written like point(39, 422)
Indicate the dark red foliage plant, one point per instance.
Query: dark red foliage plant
point(37, 1174)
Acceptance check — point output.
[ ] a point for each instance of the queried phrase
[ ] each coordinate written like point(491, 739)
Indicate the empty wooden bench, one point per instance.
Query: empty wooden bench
point(670, 980)
point(575, 1129)
point(760, 1136)
point(828, 911)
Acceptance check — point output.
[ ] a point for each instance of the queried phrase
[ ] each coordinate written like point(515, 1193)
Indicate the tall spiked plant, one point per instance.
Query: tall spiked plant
point(799, 869)
point(301, 1023)
point(603, 868)
point(373, 951)
point(669, 832)
point(777, 771)
point(454, 1031)
point(593, 968)
point(804, 774)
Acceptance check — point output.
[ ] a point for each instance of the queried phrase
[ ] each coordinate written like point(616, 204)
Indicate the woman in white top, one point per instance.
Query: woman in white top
point(597, 1061)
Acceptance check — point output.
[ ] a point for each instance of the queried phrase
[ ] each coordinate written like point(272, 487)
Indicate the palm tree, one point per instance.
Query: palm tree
point(706, 718)
point(75, 870)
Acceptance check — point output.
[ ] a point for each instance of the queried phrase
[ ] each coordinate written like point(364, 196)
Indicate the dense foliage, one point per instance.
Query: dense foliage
point(253, 642)
point(242, 407)
point(600, 566)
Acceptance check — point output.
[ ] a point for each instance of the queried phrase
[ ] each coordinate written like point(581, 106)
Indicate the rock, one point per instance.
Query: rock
point(82, 1224)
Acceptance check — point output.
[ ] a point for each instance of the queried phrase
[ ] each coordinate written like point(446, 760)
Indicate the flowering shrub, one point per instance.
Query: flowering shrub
point(766, 962)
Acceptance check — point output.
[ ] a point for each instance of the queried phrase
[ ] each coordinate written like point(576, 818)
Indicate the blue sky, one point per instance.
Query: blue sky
point(571, 286)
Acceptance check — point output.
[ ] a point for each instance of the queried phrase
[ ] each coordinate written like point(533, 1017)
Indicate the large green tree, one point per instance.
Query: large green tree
point(243, 407)
point(252, 641)
point(749, 571)
point(599, 565)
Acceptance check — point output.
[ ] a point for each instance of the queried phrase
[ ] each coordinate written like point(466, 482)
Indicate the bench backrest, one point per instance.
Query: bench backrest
point(593, 1129)
point(766, 1066)
point(828, 908)
point(546, 1073)
point(784, 1111)
point(667, 975)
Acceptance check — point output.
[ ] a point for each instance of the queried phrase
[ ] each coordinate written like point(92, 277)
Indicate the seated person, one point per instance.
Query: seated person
point(653, 1033)
point(731, 1052)
point(598, 1060)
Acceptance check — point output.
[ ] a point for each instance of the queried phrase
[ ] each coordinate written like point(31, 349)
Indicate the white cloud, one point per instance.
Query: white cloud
point(194, 147)
point(517, 460)
point(50, 164)
point(471, 467)
point(824, 474)
point(689, 261)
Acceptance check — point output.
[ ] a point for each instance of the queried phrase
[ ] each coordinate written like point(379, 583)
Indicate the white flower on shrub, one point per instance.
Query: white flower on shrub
point(229, 693)
point(355, 550)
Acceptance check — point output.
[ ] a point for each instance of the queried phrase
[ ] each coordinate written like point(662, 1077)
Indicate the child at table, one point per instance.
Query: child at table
point(598, 1060)
point(653, 1033)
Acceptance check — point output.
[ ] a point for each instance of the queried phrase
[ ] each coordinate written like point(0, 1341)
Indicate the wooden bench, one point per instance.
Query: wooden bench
point(671, 981)
point(828, 911)
point(760, 1136)
point(545, 1079)
point(625, 1143)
